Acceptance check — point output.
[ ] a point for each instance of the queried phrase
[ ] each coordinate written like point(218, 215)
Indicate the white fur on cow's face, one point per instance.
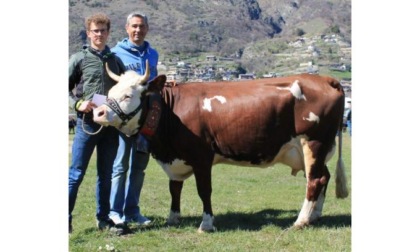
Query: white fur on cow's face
point(128, 85)
point(126, 93)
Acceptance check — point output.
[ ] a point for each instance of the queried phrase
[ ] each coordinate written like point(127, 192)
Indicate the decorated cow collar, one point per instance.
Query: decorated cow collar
point(113, 104)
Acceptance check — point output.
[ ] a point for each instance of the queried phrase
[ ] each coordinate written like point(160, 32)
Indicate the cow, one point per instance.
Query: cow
point(292, 120)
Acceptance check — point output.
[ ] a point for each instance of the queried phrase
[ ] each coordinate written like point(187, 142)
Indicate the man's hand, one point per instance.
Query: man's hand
point(86, 106)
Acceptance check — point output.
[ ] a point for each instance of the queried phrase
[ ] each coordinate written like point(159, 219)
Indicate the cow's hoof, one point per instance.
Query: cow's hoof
point(300, 224)
point(173, 219)
point(211, 230)
point(298, 227)
point(171, 224)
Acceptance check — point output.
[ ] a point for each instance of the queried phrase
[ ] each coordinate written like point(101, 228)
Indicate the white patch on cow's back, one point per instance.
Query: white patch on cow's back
point(295, 90)
point(312, 118)
point(207, 102)
point(177, 171)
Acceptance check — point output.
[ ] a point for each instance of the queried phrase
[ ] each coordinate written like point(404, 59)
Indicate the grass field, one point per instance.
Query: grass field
point(254, 209)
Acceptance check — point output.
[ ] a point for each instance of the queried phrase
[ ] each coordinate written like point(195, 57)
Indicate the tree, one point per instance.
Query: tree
point(335, 29)
point(330, 50)
point(240, 69)
point(300, 32)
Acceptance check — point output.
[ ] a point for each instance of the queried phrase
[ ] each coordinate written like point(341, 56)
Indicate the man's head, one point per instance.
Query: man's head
point(137, 27)
point(97, 29)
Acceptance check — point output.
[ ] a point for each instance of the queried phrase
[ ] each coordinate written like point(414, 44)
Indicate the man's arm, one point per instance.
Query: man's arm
point(75, 76)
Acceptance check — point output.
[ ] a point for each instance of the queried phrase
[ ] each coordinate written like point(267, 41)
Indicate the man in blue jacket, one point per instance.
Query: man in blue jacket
point(133, 155)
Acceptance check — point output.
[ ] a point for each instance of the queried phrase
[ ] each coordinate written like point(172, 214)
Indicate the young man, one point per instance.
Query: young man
point(132, 158)
point(87, 76)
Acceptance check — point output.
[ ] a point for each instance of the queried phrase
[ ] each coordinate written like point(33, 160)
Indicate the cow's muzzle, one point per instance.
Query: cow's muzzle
point(113, 104)
point(100, 115)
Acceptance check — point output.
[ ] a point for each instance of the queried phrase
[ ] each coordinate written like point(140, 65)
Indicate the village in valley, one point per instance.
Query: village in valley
point(324, 55)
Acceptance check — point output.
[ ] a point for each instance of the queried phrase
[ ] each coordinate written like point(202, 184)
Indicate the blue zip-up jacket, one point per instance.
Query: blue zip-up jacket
point(134, 57)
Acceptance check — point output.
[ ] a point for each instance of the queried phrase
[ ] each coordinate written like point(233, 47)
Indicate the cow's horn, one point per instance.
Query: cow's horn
point(146, 75)
point(111, 74)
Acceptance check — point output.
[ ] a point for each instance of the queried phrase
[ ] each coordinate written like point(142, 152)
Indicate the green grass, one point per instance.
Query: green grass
point(253, 207)
point(337, 74)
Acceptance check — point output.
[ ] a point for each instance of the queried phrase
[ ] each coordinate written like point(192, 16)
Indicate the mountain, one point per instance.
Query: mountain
point(221, 27)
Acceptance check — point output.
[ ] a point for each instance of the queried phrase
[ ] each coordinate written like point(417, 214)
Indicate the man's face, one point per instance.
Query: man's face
point(98, 34)
point(137, 30)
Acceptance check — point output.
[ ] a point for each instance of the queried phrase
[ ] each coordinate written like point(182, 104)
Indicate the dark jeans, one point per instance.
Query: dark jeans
point(106, 143)
point(127, 178)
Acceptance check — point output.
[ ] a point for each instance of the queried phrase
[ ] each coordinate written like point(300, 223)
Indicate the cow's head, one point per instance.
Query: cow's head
point(125, 100)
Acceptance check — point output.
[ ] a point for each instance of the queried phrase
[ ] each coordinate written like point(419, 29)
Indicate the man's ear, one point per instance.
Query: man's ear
point(157, 84)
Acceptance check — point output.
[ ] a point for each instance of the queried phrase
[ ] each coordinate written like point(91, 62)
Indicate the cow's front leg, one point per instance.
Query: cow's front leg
point(203, 181)
point(175, 188)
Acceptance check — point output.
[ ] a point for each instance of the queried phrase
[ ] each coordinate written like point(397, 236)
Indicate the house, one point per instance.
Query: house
point(269, 75)
point(246, 77)
point(211, 58)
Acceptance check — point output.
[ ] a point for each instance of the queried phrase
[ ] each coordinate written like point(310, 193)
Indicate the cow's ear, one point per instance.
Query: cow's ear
point(157, 83)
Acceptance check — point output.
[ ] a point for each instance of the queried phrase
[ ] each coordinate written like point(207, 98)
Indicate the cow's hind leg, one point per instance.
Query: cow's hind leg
point(317, 177)
point(175, 188)
point(321, 197)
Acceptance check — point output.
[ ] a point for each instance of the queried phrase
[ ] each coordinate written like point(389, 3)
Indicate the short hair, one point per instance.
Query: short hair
point(139, 15)
point(98, 18)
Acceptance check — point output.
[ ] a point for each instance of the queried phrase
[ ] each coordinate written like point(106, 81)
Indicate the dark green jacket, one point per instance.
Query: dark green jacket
point(87, 74)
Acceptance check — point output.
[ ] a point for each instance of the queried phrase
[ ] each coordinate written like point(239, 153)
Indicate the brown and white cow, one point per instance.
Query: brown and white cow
point(291, 120)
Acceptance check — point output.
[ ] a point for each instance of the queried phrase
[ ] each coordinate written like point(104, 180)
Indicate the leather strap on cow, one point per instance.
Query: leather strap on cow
point(153, 115)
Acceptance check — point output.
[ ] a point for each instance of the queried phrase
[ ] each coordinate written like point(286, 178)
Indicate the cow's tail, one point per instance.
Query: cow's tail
point(341, 190)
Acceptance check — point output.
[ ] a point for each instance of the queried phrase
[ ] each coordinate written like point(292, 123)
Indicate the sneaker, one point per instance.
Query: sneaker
point(140, 220)
point(117, 220)
point(104, 224)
